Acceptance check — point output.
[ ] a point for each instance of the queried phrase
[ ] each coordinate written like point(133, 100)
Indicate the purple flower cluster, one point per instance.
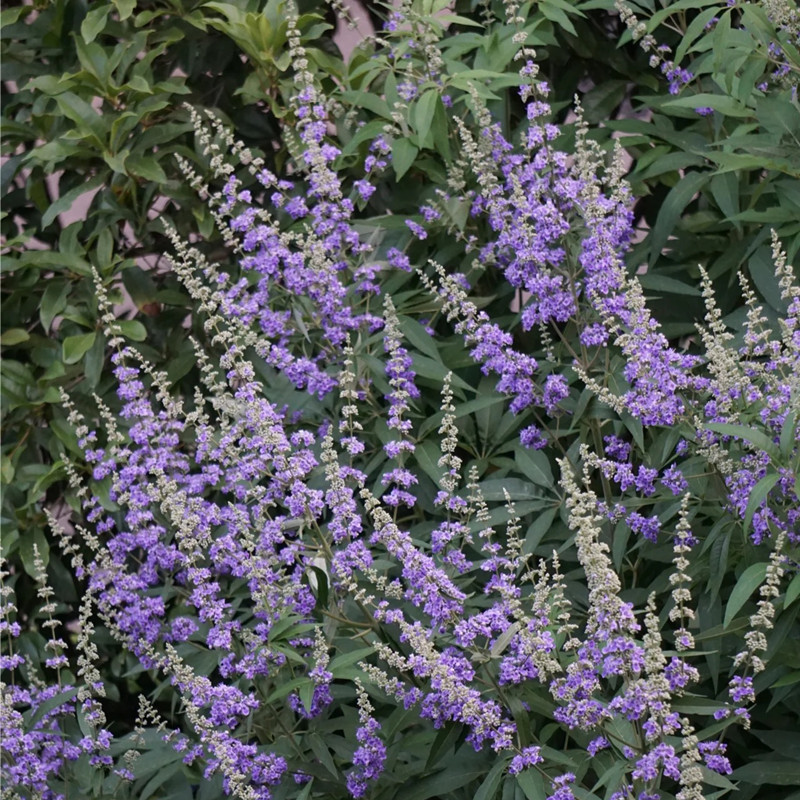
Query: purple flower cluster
point(32, 756)
point(368, 759)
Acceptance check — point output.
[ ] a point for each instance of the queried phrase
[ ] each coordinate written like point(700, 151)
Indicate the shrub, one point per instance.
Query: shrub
point(93, 112)
point(406, 539)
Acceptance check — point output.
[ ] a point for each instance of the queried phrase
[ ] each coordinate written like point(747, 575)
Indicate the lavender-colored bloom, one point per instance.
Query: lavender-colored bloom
point(648, 527)
point(714, 757)
point(416, 229)
point(398, 259)
point(555, 390)
point(596, 745)
point(617, 448)
point(661, 758)
point(532, 437)
point(673, 479)
point(368, 759)
point(408, 91)
point(594, 335)
point(563, 789)
point(527, 758)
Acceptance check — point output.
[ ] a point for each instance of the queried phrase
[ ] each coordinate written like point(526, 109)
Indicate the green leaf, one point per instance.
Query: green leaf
point(491, 783)
point(14, 336)
point(94, 361)
point(344, 660)
point(8, 16)
point(419, 337)
point(757, 496)
point(147, 168)
point(7, 470)
point(695, 30)
point(75, 347)
point(674, 205)
point(762, 272)
point(56, 472)
point(370, 101)
point(88, 121)
point(132, 329)
point(27, 540)
point(427, 455)
point(446, 782)
point(495, 489)
point(783, 742)
point(49, 705)
point(792, 591)
point(403, 155)
point(422, 114)
point(789, 679)
point(322, 753)
point(94, 22)
point(751, 435)
point(779, 773)
point(538, 528)
point(457, 19)
point(657, 282)
point(125, 8)
point(532, 785)
point(54, 300)
point(719, 102)
point(153, 761)
point(435, 370)
point(105, 249)
point(725, 189)
point(67, 200)
point(502, 641)
point(748, 582)
point(535, 466)
point(306, 694)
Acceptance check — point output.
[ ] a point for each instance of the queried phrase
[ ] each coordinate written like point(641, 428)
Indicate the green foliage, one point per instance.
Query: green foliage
point(94, 117)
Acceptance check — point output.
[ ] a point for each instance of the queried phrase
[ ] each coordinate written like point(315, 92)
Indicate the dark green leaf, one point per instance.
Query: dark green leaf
point(67, 200)
point(532, 785)
point(49, 705)
point(535, 465)
point(751, 435)
point(29, 539)
point(779, 773)
point(748, 582)
point(54, 301)
point(757, 496)
point(792, 591)
point(344, 660)
point(674, 205)
point(657, 282)
point(488, 789)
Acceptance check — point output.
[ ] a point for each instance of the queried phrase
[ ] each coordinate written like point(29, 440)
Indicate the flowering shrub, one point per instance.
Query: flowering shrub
point(395, 545)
